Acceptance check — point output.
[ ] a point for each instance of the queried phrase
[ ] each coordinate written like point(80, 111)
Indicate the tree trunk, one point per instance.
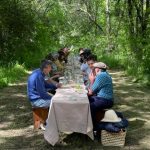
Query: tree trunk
point(108, 26)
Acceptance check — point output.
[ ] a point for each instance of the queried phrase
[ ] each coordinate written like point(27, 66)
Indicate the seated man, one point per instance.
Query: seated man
point(37, 86)
point(102, 89)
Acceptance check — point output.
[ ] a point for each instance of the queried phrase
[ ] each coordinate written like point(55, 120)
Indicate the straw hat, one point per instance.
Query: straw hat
point(111, 116)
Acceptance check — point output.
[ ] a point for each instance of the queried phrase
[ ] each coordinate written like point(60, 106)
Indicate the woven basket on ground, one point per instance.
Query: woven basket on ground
point(113, 139)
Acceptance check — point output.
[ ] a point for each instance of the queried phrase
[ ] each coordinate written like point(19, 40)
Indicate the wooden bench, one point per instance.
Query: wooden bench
point(39, 116)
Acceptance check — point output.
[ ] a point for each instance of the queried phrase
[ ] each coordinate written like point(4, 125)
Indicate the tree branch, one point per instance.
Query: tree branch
point(90, 17)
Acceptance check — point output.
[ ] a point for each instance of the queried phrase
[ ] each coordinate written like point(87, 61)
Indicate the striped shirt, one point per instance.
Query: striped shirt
point(103, 86)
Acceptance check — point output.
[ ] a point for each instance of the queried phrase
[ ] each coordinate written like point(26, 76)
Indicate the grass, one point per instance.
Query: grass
point(11, 74)
point(16, 130)
point(112, 61)
point(131, 66)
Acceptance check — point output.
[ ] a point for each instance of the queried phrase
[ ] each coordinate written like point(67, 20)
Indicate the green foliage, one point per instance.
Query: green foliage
point(31, 29)
point(11, 74)
point(16, 28)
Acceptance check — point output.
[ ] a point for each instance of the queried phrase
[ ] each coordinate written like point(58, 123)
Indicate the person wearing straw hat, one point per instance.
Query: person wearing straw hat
point(101, 92)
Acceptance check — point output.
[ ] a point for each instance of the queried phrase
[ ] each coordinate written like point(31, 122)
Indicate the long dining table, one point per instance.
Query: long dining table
point(69, 112)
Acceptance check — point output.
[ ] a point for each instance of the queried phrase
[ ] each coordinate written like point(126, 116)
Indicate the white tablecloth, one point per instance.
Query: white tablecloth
point(69, 112)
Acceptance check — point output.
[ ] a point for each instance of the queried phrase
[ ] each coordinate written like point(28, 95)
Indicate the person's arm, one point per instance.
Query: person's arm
point(57, 73)
point(84, 73)
point(55, 76)
point(91, 78)
point(58, 85)
point(83, 69)
point(40, 87)
point(50, 85)
point(98, 83)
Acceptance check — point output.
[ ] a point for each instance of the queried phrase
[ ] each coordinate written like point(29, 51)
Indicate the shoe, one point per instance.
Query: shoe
point(42, 126)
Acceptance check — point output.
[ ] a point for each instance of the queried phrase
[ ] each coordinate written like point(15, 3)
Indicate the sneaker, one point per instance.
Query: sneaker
point(42, 126)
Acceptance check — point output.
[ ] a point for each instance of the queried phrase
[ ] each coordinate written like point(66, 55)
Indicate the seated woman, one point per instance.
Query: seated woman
point(57, 67)
point(101, 92)
point(65, 53)
point(91, 71)
point(84, 53)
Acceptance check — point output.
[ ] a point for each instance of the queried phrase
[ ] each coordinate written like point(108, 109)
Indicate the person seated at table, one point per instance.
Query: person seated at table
point(37, 86)
point(84, 66)
point(56, 69)
point(66, 53)
point(91, 73)
point(57, 65)
point(101, 92)
point(81, 50)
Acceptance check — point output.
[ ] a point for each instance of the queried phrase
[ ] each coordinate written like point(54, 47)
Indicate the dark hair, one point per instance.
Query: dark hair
point(87, 50)
point(81, 49)
point(49, 57)
point(60, 54)
point(45, 63)
point(86, 53)
point(91, 57)
point(62, 49)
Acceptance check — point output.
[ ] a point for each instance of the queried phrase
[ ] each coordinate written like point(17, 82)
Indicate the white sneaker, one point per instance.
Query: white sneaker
point(42, 127)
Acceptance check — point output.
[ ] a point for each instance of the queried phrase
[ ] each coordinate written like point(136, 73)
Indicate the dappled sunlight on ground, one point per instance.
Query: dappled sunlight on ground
point(133, 100)
point(16, 124)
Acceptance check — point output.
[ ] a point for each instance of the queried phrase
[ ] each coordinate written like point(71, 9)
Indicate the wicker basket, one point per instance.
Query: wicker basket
point(113, 139)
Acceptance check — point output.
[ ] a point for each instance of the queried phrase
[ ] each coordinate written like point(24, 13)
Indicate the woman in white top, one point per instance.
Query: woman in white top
point(84, 53)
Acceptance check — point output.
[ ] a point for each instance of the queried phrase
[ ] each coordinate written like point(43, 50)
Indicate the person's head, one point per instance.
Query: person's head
point(49, 57)
point(61, 56)
point(46, 66)
point(84, 53)
point(52, 56)
point(81, 50)
point(66, 50)
point(99, 67)
point(91, 60)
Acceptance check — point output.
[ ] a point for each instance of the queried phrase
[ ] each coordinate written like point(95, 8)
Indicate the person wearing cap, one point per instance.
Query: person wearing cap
point(101, 92)
point(37, 86)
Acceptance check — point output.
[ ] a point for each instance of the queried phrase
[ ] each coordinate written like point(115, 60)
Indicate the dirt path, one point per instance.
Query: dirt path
point(16, 130)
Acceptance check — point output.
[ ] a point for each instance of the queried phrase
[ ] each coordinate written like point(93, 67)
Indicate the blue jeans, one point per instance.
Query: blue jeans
point(97, 104)
point(41, 103)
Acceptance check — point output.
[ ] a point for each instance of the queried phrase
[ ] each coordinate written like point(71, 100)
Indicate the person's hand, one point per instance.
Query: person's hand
point(58, 85)
point(92, 78)
point(83, 73)
point(90, 92)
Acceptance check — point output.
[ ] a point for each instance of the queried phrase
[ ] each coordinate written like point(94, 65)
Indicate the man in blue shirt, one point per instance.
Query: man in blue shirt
point(101, 92)
point(37, 86)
